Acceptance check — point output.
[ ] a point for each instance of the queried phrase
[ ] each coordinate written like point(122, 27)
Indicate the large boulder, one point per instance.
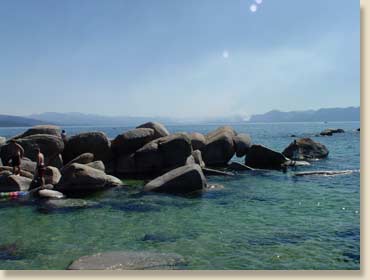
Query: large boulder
point(242, 144)
point(175, 149)
point(305, 149)
point(125, 164)
point(198, 140)
point(52, 175)
point(127, 260)
point(220, 147)
point(262, 157)
point(24, 173)
point(130, 141)
point(222, 129)
point(84, 158)
point(185, 179)
point(49, 145)
point(2, 140)
point(28, 165)
point(56, 161)
point(13, 183)
point(331, 131)
point(159, 129)
point(96, 143)
point(147, 159)
point(45, 193)
point(97, 165)
point(82, 178)
point(41, 129)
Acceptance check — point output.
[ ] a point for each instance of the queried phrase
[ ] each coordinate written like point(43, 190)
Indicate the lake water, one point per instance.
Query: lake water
point(260, 220)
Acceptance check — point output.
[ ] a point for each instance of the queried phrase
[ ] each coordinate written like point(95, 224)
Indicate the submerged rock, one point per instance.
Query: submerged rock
point(68, 204)
point(305, 149)
point(159, 129)
point(127, 260)
point(185, 179)
point(262, 157)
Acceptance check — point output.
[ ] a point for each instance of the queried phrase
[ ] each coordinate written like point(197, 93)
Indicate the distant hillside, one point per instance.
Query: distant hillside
point(80, 119)
point(321, 115)
point(14, 121)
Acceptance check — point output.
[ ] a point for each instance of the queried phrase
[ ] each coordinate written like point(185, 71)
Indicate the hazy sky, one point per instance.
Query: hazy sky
point(183, 58)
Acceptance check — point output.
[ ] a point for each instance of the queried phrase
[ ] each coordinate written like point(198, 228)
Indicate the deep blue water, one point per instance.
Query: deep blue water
point(260, 220)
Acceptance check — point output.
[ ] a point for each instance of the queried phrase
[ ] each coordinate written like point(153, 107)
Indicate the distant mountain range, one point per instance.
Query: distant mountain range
point(79, 119)
point(15, 121)
point(321, 115)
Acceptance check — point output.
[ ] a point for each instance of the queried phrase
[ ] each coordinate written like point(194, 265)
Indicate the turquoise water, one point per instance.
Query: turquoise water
point(260, 220)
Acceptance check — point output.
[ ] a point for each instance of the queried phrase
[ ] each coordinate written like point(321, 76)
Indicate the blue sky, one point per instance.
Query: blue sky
point(183, 58)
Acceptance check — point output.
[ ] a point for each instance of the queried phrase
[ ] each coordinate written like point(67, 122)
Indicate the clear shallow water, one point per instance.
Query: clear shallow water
point(260, 220)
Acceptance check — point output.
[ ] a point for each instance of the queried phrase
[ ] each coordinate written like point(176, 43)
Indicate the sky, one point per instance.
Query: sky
point(193, 58)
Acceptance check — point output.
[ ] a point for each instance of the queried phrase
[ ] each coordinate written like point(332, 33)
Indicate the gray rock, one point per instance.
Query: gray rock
point(242, 144)
point(185, 179)
point(57, 161)
point(190, 160)
point(41, 129)
point(130, 141)
point(198, 140)
point(237, 166)
point(49, 145)
point(331, 131)
point(84, 158)
point(23, 172)
point(28, 165)
point(222, 129)
point(262, 157)
point(159, 129)
point(52, 175)
point(68, 204)
point(305, 149)
point(148, 158)
point(125, 164)
point(96, 143)
point(197, 155)
point(175, 149)
point(2, 140)
point(82, 178)
point(46, 193)
point(127, 260)
point(219, 149)
point(215, 172)
point(13, 183)
point(97, 165)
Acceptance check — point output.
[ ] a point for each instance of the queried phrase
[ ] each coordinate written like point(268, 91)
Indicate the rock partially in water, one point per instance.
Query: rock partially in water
point(305, 149)
point(242, 144)
point(46, 193)
point(331, 131)
point(127, 260)
point(262, 157)
point(185, 179)
point(14, 183)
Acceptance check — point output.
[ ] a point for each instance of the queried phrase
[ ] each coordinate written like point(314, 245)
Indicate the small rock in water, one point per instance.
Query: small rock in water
point(70, 203)
point(50, 194)
point(326, 173)
point(128, 261)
